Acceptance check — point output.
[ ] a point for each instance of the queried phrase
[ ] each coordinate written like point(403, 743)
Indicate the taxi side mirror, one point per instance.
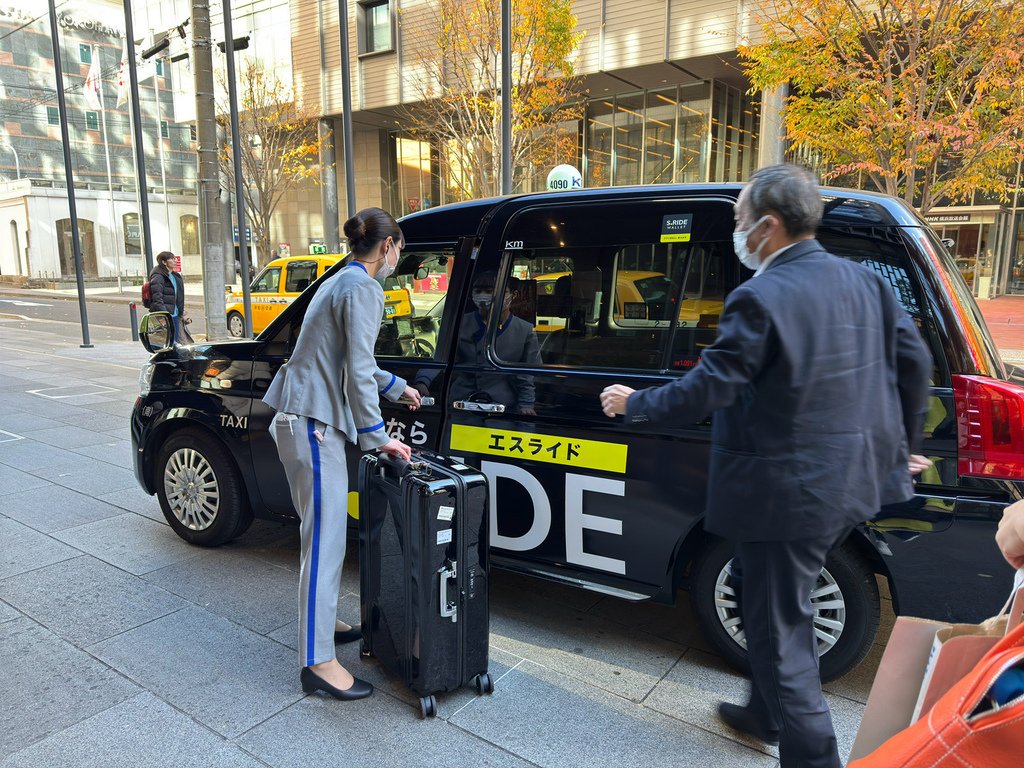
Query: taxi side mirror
point(157, 332)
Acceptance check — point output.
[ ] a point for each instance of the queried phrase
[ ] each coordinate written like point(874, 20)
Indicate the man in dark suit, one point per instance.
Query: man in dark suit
point(818, 382)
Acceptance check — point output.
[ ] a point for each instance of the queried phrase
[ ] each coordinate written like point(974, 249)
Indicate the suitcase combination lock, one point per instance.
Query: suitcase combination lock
point(449, 608)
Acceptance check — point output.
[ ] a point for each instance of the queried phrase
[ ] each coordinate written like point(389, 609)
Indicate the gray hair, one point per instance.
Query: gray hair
point(790, 192)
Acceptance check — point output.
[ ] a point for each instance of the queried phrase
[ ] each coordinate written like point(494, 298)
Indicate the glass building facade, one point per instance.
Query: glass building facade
point(688, 133)
point(699, 132)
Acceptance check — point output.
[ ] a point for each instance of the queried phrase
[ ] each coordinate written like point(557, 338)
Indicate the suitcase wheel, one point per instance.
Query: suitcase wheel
point(484, 683)
point(428, 707)
point(364, 650)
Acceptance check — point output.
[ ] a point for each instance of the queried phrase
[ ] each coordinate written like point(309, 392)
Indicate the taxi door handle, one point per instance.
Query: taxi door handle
point(469, 405)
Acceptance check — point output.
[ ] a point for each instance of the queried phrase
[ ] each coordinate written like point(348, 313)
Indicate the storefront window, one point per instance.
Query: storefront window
point(65, 248)
point(694, 106)
point(189, 234)
point(1016, 282)
point(659, 139)
point(668, 136)
point(734, 126)
point(413, 187)
point(629, 134)
point(600, 122)
point(132, 233)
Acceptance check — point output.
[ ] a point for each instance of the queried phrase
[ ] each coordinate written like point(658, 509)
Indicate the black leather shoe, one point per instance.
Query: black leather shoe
point(342, 636)
point(742, 719)
point(311, 681)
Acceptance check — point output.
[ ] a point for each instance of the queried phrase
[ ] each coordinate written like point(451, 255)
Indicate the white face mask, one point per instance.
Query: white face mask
point(386, 267)
point(739, 244)
point(483, 300)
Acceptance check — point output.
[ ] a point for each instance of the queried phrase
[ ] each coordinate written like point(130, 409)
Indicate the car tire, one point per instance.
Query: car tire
point(236, 324)
point(200, 491)
point(851, 627)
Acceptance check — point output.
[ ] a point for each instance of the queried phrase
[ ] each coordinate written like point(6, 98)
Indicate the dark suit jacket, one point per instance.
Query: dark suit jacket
point(818, 382)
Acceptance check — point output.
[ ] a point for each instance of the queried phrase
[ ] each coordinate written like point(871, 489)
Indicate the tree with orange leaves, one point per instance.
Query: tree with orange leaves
point(280, 141)
point(923, 98)
point(458, 83)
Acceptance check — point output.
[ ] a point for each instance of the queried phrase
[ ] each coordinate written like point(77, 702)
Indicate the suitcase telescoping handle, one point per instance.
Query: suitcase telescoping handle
point(449, 608)
point(401, 466)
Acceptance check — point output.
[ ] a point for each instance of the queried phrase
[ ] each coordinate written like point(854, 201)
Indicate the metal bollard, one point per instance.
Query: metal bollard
point(134, 320)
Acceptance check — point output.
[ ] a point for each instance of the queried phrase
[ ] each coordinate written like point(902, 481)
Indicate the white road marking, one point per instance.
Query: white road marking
point(20, 303)
point(93, 389)
point(11, 436)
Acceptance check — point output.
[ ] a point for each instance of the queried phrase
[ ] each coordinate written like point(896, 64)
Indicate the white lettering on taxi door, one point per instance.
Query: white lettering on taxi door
point(576, 520)
point(541, 507)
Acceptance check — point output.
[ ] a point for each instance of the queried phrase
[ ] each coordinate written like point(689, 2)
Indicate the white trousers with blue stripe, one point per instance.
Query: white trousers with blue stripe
point(313, 455)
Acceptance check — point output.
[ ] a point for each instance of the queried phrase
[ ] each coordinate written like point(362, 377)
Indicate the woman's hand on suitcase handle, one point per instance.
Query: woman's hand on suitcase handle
point(398, 449)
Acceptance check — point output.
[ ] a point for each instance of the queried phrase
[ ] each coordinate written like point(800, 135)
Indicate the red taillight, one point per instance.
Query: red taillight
point(989, 427)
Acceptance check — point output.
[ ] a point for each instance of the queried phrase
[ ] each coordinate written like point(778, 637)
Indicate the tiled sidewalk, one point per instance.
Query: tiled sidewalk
point(120, 645)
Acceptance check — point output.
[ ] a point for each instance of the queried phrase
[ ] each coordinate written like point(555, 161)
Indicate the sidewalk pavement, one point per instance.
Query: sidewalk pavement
point(121, 645)
point(1004, 316)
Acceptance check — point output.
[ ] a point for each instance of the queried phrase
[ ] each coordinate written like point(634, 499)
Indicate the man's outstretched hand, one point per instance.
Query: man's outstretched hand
point(614, 398)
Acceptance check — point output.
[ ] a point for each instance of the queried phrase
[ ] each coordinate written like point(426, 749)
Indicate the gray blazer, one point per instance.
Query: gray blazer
point(332, 375)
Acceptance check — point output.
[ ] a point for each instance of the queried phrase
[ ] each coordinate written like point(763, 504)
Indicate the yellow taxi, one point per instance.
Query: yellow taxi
point(635, 291)
point(281, 280)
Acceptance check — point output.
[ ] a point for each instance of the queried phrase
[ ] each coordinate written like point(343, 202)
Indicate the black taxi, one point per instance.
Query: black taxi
point(602, 286)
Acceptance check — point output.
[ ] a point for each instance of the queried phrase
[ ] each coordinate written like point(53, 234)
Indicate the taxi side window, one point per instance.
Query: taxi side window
point(711, 272)
point(604, 307)
point(882, 250)
point(268, 282)
point(299, 275)
point(609, 277)
point(414, 305)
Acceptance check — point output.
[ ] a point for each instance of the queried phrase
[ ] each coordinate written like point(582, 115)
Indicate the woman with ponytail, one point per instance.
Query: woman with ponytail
point(326, 395)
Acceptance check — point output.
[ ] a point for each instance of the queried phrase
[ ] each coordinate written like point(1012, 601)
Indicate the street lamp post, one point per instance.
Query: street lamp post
point(236, 144)
point(76, 239)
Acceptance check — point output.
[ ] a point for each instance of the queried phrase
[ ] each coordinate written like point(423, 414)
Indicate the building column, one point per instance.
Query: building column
point(772, 144)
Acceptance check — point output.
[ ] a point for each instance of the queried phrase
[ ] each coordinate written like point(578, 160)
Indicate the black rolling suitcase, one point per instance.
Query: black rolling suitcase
point(423, 572)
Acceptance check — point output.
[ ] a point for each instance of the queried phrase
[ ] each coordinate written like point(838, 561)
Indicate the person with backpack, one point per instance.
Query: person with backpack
point(167, 290)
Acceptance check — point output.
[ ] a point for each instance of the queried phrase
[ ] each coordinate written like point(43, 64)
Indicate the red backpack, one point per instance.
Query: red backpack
point(147, 295)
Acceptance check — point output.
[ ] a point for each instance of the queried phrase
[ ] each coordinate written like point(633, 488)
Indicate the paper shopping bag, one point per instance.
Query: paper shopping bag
point(978, 723)
point(922, 660)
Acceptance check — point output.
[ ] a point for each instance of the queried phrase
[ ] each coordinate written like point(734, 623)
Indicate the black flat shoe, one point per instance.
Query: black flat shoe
point(342, 636)
point(741, 719)
point(311, 681)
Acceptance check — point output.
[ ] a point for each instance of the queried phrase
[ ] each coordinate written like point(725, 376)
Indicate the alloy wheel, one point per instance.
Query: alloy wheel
point(826, 599)
point(193, 493)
